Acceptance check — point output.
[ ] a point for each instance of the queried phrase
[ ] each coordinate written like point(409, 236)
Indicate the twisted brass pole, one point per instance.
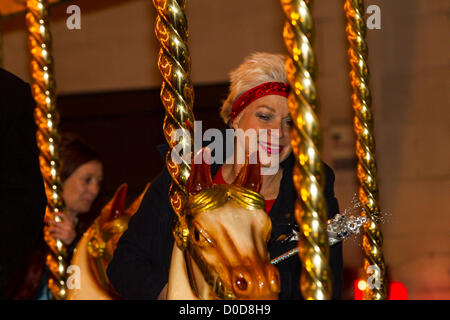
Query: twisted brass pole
point(365, 146)
point(1, 41)
point(47, 119)
point(306, 141)
point(177, 95)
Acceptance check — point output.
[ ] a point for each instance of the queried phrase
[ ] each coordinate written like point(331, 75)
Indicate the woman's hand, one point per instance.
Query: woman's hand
point(63, 230)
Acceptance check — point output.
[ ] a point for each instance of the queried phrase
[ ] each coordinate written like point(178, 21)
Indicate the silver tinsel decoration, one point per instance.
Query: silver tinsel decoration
point(342, 226)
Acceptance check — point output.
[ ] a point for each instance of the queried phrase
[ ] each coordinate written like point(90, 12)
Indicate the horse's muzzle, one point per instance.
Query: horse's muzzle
point(261, 283)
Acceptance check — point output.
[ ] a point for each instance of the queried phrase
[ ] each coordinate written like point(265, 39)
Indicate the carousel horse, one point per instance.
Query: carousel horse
point(226, 254)
point(96, 248)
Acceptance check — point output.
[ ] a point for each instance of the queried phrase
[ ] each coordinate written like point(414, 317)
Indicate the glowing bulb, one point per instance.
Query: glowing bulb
point(362, 285)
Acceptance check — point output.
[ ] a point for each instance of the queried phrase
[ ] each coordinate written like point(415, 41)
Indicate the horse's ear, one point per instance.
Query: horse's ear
point(200, 176)
point(134, 206)
point(249, 175)
point(116, 206)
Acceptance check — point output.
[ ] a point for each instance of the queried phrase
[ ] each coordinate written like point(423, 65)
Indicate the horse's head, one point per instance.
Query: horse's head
point(106, 231)
point(227, 254)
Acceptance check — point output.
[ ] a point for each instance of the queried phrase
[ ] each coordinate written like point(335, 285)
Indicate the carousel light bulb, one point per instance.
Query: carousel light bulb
point(362, 285)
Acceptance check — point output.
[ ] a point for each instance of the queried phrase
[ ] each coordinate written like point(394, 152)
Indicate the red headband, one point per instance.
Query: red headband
point(265, 89)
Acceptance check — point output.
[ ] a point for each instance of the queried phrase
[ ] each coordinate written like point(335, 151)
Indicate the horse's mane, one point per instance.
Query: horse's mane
point(217, 195)
point(204, 195)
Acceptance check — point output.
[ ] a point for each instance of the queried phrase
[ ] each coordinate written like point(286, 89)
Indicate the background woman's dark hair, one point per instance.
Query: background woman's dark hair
point(74, 152)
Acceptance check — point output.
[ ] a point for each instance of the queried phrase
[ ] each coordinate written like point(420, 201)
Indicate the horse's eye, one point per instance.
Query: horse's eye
point(200, 237)
point(196, 235)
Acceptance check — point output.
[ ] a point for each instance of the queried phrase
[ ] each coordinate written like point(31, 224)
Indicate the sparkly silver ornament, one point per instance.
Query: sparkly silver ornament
point(342, 226)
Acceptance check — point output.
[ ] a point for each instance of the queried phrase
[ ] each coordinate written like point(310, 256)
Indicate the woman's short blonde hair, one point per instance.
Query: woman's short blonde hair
point(258, 68)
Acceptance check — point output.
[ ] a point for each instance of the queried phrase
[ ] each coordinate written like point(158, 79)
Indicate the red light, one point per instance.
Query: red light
point(358, 289)
point(397, 291)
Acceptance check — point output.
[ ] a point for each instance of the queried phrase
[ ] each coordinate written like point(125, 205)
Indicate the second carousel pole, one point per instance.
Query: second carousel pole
point(48, 136)
point(365, 147)
point(306, 140)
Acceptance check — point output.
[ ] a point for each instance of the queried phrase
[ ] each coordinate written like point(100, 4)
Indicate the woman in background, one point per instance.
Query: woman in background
point(81, 176)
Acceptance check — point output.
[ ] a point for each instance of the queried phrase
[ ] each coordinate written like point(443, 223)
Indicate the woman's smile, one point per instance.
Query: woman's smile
point(271, 148)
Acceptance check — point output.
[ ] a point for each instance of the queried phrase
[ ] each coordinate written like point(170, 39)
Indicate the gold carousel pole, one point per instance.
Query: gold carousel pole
point(1, 40)
point(48, 136)
point(177, 96)
point(365, 147)
point(306, 141)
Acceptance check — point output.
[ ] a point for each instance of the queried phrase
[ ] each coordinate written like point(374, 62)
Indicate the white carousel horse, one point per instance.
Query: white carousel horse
point(95, 249)
point(226, 256)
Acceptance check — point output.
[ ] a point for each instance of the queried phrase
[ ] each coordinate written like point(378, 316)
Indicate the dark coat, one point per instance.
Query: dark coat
point(22, 194)
point(140, 266)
